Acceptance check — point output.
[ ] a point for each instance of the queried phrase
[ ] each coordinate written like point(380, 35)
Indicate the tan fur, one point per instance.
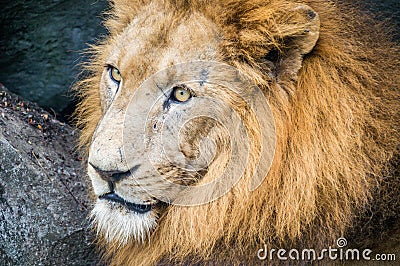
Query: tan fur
point(337, 126)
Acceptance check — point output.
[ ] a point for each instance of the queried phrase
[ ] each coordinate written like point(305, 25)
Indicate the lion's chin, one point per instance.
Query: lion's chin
point(117, 224)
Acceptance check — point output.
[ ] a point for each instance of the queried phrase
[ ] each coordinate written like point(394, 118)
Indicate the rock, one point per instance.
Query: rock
point(43, 193)
point(42, 42)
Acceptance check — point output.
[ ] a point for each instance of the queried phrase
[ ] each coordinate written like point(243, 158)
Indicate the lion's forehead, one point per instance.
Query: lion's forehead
point(154, 41)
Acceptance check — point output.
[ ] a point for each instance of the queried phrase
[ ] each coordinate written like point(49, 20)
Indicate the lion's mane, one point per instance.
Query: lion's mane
point(337, 126)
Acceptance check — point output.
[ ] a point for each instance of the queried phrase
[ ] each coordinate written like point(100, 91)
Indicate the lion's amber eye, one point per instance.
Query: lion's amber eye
point(181, 94)
point(115, 75)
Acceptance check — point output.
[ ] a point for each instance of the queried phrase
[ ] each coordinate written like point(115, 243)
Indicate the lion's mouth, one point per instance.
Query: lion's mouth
point(139, 208)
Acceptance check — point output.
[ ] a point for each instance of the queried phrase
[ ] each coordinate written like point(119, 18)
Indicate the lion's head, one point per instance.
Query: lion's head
point(333, 106)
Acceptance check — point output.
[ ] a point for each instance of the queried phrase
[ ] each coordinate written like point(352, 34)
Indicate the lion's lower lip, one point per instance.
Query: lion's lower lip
point(139, 208)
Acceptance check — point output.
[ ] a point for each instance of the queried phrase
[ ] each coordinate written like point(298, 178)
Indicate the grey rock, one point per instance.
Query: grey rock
point(42, 42)
point(43, 206)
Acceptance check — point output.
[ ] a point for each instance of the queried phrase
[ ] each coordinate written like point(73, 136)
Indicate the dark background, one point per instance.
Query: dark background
point(41, 43)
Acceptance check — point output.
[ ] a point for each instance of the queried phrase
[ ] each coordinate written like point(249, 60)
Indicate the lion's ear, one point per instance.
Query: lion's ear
point(297, 30)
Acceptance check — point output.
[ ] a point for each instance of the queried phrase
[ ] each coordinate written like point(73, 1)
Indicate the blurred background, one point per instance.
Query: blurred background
point(41, 44)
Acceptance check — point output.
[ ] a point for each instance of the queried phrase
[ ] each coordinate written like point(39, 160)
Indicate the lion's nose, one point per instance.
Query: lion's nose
point(112, 176)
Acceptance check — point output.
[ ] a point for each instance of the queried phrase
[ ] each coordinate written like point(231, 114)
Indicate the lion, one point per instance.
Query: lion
point(330, 75)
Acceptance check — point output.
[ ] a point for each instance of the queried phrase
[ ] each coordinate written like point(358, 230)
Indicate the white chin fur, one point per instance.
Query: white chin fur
point(117, 224)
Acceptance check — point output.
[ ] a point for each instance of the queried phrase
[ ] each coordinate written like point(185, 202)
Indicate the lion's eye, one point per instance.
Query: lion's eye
point(115, 75)
point(181, 94)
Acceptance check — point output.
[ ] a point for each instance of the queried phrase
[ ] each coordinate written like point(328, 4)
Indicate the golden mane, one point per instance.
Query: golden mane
point(337, 126)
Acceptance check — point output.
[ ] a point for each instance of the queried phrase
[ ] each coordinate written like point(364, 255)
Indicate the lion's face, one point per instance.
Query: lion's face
point(156, 138)
point(129, 189)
